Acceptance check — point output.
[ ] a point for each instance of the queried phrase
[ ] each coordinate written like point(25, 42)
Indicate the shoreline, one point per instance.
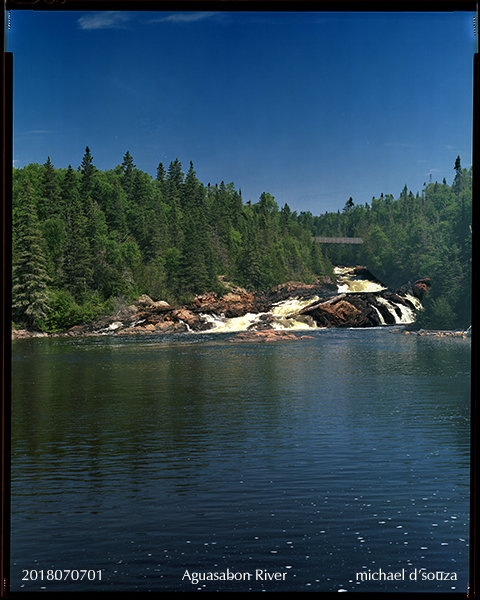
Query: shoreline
point(270, 312)
point(456, 333)
point(78, 331)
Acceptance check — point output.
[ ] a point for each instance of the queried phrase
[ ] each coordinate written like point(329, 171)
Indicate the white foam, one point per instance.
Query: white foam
point(407, 314)
point(348, 282)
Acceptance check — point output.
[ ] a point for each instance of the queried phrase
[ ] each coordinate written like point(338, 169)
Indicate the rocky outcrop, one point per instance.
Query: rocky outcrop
point(322, 287)
point(457, 333)
point(328, 309)
point(233, 304)
point(342, 312)
point(421, 287)
point(27, 333)
point(359, 309)
point(239, 302)
point(268, 336)
point(337, 314)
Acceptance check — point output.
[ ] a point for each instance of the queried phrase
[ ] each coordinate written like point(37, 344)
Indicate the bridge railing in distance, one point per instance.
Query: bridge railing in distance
point(338, 240)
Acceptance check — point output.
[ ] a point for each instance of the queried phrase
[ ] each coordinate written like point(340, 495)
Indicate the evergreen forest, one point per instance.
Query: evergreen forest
point(87, 242)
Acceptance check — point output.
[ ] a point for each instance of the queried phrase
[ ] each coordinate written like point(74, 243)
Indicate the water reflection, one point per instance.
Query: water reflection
point(350, 446)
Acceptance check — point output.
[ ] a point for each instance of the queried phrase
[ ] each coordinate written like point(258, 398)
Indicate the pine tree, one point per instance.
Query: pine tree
point(458, 181)
point(29, 275)
point(50, 202)
point(87, 170)
point(77, 257)
point(160, 173)
point(115, 214)
point(128, 171)
point(160, 181)
point(174, 180)
point(67, 187)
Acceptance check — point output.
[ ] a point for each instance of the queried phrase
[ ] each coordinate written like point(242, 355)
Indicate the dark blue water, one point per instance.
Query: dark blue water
point(139, 462)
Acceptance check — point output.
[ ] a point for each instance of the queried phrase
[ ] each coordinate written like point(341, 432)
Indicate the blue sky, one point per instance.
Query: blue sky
point(313, 107)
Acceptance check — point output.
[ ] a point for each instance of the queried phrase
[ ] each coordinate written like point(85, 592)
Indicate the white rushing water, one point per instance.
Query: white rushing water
point(415, 301)
point(407, 316)
point(287, 308)
point(285, 315)
point(220, 324)
point(348, 282)
point(380, 316)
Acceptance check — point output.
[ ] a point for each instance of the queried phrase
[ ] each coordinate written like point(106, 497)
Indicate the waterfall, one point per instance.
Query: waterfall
point(294, 313)
point(220, 324)
point(348, 282)
point(415, 301)
point(380, 316)
point(284, 316)
point(407, 315)
point(287, 308)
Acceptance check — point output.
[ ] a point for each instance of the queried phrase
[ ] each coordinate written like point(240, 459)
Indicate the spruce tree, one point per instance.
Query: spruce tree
point(160, 181)
point(250, 260)
point(175, 178)
point(67, 187)
point(50, 203)
point(460, 177)
point(115, 214)
point(29, 274)
point(160, 173)
point(87, 169)
point(128, 171)
point(77, 257)
point(194, 271)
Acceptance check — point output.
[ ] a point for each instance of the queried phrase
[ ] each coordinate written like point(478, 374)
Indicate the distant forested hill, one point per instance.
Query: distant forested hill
point(86, 241)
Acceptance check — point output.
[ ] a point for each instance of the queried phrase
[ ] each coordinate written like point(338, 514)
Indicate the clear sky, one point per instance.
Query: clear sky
point(313, 107)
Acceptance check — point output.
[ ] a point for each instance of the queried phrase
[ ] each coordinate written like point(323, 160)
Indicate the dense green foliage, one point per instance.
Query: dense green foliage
point(87, 241)
point(427, 235)
point(108, 237)
point(29, 276)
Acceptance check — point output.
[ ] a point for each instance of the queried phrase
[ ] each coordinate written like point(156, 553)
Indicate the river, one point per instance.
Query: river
point(337, 462)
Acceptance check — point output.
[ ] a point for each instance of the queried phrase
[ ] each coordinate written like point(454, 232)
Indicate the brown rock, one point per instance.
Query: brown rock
point(164, 327)
point(144, 300)
point(162, 305)
point(421, 287)
point(339, 314)
point(267, 336)
point(185, 315)
point(27, 333)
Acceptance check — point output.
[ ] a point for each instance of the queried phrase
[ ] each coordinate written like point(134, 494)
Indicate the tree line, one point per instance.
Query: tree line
point(86, 241)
